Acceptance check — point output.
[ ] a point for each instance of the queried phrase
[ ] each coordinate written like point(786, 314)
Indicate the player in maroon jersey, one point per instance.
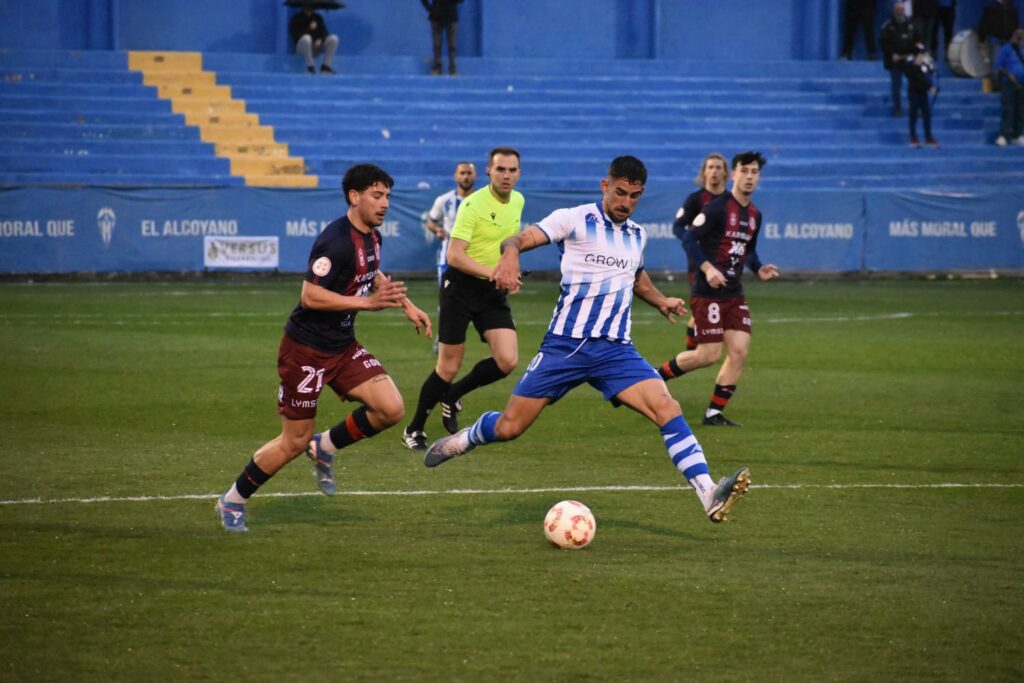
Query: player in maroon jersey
point(711, 181)
point(319, 346)
point(720, 242)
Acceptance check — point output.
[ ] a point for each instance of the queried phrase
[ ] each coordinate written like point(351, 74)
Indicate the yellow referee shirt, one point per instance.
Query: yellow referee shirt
point(485, 223)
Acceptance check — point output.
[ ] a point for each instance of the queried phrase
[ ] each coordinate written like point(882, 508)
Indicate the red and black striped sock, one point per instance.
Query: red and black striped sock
point(691, 338)
point(720, 399)
point(251, 478)
point(354, 428)
point(670, 370)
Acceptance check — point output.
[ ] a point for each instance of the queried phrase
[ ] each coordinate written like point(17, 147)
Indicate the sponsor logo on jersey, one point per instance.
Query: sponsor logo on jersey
point(361, 256)
point(621, 262)
point(321, 266)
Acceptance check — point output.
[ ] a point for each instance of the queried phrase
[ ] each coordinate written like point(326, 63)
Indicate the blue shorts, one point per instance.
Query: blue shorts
point(563, 363)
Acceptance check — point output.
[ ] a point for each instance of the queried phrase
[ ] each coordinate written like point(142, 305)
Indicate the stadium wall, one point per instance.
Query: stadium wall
point(733, 30)
point(52, 230)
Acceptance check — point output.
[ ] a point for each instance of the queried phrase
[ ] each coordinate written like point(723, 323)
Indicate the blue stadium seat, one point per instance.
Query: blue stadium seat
point(70, 118)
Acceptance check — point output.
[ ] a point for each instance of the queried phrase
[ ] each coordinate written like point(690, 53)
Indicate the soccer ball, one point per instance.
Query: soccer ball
point(570, 524)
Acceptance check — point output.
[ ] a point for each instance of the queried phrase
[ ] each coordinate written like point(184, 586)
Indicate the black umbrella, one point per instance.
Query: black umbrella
point(315, 4)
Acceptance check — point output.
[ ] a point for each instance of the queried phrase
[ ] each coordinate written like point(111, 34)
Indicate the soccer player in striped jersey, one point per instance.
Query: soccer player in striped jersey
point(588, 339)
point(441, 218)
point(711, 181)
point(722, 241)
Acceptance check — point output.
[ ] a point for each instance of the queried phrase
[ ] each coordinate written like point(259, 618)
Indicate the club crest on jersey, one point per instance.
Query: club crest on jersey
point(753, 224)
point(321, 266)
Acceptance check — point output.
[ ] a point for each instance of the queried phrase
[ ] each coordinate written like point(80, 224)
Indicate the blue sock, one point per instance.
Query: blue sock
point(483, 430)
point(684, 449)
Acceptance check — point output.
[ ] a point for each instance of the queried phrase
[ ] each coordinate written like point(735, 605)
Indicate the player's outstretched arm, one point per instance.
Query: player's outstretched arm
point(768, 271)
point(319, 298)
point(668, 306)
point(507, 275)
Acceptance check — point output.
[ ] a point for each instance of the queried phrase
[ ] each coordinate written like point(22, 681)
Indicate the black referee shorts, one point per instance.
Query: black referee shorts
point(466, 299)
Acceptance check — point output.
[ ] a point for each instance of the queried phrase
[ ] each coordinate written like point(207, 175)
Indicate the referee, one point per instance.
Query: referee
point(469, 295)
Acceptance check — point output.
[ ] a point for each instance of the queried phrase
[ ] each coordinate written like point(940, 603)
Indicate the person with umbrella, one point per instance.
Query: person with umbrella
point(310, 36)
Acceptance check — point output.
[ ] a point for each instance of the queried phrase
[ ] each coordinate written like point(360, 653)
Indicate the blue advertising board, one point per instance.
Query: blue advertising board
point(57, 230)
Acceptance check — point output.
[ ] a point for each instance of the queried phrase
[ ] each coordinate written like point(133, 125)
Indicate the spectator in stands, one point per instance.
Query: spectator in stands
point(899, 41)
point(309, 33)
point(859, 14)
point(920, 84)
point(946, 17)
point(444, 16)
point(1009, 67)
point(926, 15)
point(998, 20)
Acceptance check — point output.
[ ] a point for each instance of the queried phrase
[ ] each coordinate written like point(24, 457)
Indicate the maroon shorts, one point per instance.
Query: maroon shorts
point(304, 372)
point(714, 316)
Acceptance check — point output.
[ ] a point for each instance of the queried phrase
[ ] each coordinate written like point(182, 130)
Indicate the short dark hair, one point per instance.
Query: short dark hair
point(629, 168)
point(362, 176)
point(510, 151)
point(744, 158)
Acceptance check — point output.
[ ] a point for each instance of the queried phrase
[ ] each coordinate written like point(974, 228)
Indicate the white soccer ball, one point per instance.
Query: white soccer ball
point(570, 524)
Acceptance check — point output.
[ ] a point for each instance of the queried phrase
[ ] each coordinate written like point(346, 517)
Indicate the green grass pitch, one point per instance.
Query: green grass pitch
point(881, 541)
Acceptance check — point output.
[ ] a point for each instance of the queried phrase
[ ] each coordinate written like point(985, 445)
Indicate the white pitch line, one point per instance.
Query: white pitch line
point(506, 491)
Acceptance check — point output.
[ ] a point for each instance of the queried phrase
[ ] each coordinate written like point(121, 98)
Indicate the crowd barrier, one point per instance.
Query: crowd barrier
point(68, 230)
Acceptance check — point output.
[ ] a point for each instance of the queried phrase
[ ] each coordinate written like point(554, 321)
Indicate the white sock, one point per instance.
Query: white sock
point(704, 486)
point(233, 496)
point(326, 445)
point(711, 412)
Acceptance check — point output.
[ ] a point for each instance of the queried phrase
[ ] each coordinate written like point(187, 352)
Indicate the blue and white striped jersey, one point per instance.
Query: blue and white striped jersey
point(599, 261)
point(443, 213)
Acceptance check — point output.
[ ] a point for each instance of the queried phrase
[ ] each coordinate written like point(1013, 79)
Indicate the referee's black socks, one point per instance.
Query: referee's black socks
point(483, 373)
point(432, 391)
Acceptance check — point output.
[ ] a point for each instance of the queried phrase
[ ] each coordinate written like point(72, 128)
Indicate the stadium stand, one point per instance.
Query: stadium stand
point(166, 119)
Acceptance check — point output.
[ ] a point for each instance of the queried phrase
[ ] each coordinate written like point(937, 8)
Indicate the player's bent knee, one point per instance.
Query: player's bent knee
point(507, 364)
point(389, 413)
point(706, 357)
point(666, 409)
point(295, 445)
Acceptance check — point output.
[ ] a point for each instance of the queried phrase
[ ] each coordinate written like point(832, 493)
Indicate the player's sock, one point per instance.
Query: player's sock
point(720, 399)
point(688, 456)
point(691, 338)
point(354, 428)
point(482, 430)
point(670, 370)
point(483, 373)
point(251, 478)
point(432, 391)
